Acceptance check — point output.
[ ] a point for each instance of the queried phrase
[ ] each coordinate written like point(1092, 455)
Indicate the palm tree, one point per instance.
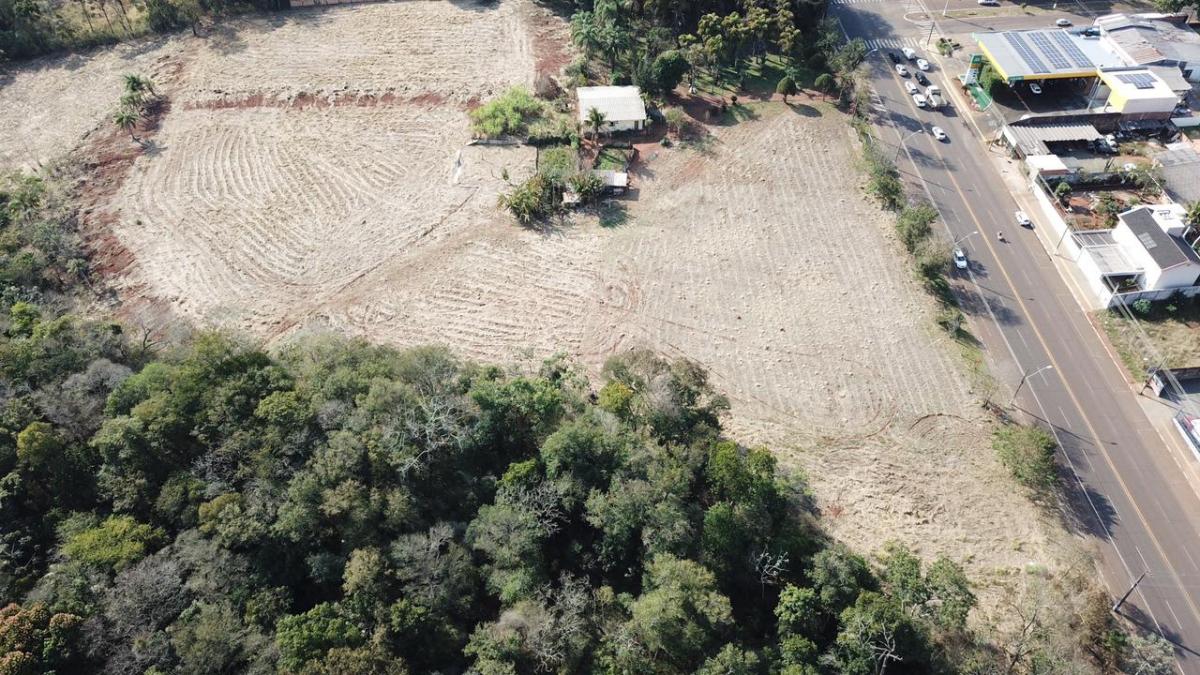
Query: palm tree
point(585, 34)
point(137, 83)
point(595, 120)
point(127, 119)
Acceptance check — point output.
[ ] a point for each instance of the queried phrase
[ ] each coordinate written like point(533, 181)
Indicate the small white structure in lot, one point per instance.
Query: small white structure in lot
point(622, 107)
point(1152, 238)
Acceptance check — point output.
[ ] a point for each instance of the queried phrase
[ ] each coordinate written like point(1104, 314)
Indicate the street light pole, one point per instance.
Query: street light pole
point(1024, 377)
point(957, 241)
point(901, 144)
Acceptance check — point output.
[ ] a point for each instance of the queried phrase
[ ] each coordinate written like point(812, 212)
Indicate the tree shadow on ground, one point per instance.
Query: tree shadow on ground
point(1082, 510)
point(804, 110)
point(613, 213)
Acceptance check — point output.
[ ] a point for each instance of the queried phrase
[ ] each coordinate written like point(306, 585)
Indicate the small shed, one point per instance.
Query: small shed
point(622, 107)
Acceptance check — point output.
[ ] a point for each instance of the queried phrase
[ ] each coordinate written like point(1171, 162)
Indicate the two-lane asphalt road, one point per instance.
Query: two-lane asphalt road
point(1126, 486)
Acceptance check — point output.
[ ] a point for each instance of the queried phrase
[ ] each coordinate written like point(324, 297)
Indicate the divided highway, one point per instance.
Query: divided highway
point(1131, 494)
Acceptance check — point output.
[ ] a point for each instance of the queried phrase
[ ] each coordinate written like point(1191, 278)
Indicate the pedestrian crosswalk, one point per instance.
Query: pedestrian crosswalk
point(893, 43)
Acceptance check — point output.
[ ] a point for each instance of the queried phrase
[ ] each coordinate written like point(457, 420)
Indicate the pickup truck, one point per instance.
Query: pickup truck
point(934, 95)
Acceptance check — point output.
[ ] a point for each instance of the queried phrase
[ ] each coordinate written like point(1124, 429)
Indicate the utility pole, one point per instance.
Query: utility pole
point(1129, 592)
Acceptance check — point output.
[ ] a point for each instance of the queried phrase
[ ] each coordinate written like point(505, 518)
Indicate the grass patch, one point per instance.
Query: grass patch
point(614, 159)
point(755, 79)
point(558, 162)
point(1028, 454)
point(1172, 327)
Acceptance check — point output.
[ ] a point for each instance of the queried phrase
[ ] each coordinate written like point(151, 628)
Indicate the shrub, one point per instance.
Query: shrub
point(1028, 454)
point(1062, 191)
point(1142, 306)
point(587, 185)
point(509, 114)
point(532, 200)
point(913, 225)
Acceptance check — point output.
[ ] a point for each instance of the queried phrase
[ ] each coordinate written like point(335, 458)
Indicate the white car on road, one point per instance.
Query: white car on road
point(919, 100)
point(939, 133)
point(960, 259)
point(1062, 23)
point(1022, 219)
point(922, 64)
point(909, 53)
point(901, 70)
point(910, 87)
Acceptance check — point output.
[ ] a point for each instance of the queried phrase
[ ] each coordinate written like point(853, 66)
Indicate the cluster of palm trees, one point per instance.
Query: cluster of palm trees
point(139, 92)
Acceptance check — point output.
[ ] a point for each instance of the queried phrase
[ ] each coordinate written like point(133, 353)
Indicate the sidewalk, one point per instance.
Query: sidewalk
point(1159, 413)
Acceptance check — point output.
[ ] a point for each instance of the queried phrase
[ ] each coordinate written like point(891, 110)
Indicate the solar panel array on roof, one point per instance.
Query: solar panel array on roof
point(1072, 50)
point(1022, 49)
point(1139, 80)
point(1049, 51)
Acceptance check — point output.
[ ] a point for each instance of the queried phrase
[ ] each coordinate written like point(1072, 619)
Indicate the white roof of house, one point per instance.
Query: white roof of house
point(619, 104)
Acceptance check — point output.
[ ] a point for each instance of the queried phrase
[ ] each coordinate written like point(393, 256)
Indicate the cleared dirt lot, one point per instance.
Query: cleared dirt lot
point(314, 172)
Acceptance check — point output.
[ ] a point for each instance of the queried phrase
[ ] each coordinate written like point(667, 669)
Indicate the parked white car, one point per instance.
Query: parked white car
point(919, 100)
point(1063, 23)
point(1022, 219)
point(901, 70)
point(939, 133)
point(922, 64)
point(1035, 87)
point(990, 3)
point(910, 87)
point(960, 259)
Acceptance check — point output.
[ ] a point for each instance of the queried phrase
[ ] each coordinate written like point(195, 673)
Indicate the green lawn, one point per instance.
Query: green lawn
point(755, 80)
point(613, 158)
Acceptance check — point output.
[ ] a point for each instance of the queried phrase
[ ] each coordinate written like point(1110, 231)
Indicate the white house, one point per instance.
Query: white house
point(622, 107)
point(1152, 238)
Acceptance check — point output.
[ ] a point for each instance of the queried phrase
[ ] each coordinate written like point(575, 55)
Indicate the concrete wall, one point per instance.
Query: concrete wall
point(1052, 221)
point(1182, 275)
point(621, 126)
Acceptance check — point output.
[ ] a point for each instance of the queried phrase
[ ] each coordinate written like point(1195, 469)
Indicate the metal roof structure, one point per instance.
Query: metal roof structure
point(619, 104)
point(1040, 54)
point(1032, 140)
point(1181, 173)
point(1151, 38)
point(1166, 250)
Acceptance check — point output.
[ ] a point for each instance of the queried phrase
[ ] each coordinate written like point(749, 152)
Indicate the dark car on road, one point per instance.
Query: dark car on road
point(921, 78)
point(893, 57)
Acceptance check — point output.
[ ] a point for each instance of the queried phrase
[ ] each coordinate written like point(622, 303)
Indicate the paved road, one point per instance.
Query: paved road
point(1129, 490)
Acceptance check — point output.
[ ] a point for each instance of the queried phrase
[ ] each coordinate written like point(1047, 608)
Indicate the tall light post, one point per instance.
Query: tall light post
point(960, 239)
point(902, 141)
point(1024, 377)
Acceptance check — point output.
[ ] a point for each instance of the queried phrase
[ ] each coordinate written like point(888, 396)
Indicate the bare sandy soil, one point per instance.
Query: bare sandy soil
point(314, 172)
point(50, 104)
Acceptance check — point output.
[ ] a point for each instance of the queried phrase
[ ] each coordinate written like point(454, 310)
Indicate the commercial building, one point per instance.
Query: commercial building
point(1136, 93)
point(1153, 39)
point(1045, 54)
